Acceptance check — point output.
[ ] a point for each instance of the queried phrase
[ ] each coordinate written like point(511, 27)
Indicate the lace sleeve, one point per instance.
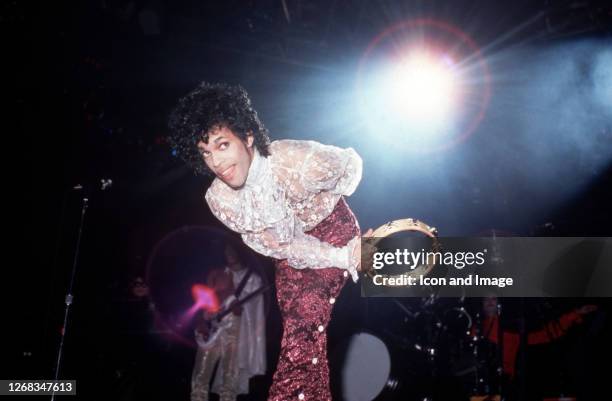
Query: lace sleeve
point(329, 168)
point(302, 250)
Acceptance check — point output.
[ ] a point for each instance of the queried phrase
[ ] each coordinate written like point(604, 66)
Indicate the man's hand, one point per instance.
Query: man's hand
point(236, 309)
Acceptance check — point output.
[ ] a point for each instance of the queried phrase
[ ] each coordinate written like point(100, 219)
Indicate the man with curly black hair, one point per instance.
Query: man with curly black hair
point(209, 110)
point(286, 199)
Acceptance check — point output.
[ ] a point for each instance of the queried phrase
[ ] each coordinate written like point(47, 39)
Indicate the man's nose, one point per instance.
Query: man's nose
point(215, 160)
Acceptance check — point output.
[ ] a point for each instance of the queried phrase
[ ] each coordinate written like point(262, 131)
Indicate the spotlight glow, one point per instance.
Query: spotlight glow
point(424, 84)
point(421, 89)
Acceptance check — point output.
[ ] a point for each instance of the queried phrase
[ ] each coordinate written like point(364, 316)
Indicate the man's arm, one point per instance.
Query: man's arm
point(305, 251)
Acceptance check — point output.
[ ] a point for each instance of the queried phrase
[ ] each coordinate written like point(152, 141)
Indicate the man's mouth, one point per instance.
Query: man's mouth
point(227, 173)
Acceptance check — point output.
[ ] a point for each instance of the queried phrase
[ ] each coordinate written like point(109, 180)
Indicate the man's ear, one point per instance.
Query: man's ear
point(250, 139)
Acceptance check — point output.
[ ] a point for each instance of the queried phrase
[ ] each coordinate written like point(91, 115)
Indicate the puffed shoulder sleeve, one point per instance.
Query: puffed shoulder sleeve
point(330, 168)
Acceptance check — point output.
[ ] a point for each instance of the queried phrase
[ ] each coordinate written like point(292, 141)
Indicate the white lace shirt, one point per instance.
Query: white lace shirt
point(286, 194)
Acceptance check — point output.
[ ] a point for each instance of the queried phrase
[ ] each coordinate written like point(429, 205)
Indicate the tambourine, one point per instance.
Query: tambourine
point(403, 225)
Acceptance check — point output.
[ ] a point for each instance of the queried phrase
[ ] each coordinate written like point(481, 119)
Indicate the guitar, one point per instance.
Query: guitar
point(209, 330)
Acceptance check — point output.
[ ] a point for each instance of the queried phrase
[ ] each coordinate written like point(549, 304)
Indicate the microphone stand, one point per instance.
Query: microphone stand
point(105, 184)
point(69, 296)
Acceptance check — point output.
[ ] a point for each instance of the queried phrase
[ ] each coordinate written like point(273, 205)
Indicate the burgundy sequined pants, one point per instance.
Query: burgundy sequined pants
point(306, 298)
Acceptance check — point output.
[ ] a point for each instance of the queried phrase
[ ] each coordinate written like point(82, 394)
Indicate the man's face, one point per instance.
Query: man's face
point(139, 288)
point(228, 157)
point(231, 257)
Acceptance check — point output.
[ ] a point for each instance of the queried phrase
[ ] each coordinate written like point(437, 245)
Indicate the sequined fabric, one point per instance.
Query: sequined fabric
point(225, 352)
point(306, 298)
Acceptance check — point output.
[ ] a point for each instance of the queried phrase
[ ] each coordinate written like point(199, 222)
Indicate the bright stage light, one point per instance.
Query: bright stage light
point(414, 100)
point(424, 84)
point(420, 91)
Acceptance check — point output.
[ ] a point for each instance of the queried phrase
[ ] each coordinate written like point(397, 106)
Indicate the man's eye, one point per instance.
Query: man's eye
point(224, 145)
point(205, 153)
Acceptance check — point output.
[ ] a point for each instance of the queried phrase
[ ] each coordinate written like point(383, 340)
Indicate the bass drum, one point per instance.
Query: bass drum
point(367, 368)
point(370, 369)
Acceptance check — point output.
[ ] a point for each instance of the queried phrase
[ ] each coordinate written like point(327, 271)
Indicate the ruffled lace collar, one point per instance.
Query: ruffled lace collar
point(259, 169)
point(259, 204)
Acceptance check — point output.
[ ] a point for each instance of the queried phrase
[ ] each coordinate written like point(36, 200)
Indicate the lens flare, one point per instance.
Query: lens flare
point(424, 84)
point(420, 89)
point(204, 298)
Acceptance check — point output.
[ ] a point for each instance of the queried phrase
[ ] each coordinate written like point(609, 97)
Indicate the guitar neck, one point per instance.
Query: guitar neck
point(242, 301)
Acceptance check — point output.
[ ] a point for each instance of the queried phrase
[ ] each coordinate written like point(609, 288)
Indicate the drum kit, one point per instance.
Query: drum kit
point(427, 351)
point(433, 352)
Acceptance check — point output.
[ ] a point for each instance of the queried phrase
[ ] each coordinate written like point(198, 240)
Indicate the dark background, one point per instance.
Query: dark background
point(93, 84)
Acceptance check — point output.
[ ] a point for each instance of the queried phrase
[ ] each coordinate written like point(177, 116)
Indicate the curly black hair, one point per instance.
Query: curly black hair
point(207, 107)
